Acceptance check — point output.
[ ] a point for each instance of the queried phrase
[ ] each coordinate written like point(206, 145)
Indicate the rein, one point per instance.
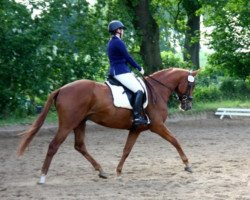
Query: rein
point(151, 88)
point(158, 82)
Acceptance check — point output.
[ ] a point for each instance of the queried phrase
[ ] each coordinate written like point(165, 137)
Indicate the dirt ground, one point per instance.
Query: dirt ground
point(217, 149)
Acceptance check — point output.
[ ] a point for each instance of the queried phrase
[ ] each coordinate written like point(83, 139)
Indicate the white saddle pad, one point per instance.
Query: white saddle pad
point(120, 97)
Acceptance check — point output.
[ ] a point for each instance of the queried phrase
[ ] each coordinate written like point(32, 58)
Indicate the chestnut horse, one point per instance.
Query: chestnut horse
point(84, 100)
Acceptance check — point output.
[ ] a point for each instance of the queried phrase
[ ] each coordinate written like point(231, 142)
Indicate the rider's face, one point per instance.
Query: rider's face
point(120, 31)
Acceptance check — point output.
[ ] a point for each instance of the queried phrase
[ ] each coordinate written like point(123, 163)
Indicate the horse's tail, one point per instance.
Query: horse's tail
point(28, 135)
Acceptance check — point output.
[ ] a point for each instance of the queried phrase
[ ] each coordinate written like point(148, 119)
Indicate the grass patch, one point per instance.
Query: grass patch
point(212, 106)
point(51, 118)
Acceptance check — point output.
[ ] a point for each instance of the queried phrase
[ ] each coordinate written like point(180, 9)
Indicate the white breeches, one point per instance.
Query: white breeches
point(129, 80)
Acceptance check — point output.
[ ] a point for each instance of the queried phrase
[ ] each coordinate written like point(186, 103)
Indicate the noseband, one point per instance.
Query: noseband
point(187, 96)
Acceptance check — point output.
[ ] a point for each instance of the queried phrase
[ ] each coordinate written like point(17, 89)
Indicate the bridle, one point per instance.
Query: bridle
point(187, 95)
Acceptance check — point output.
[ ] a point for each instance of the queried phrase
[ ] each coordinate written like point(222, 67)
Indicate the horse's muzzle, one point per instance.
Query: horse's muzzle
point(186, 105)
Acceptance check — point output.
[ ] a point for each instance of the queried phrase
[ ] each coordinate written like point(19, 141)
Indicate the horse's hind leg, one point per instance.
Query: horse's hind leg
point(80, 146)
point(53, 147)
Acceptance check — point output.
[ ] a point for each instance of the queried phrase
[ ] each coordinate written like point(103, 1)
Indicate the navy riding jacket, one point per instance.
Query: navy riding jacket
point(119, 57)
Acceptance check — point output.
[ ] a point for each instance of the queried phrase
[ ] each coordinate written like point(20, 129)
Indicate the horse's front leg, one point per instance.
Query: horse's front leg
point(166, 134)
point(132, 136)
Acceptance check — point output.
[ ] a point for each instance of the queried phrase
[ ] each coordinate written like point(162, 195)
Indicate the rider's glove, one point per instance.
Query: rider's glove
point(142, 71)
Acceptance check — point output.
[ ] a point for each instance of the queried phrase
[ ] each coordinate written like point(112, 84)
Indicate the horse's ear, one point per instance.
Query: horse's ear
point(194, 73)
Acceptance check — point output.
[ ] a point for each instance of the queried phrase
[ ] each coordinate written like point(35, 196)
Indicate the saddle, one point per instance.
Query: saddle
point(122, 96)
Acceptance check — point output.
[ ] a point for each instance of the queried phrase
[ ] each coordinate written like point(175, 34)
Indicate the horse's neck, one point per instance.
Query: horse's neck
point(167, 78)
point(167, 81)
point(158, 88)
point(171, 76)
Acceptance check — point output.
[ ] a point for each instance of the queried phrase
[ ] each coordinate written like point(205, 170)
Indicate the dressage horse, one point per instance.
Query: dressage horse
point(84, 100)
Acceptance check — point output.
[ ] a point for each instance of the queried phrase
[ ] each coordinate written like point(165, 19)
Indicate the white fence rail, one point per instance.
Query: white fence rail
point(232, 112)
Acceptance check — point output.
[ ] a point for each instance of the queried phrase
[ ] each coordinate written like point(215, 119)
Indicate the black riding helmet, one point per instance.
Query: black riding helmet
point(114, 25)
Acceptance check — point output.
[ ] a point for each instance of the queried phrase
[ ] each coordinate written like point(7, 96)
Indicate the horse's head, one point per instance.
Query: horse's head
point(184, 90)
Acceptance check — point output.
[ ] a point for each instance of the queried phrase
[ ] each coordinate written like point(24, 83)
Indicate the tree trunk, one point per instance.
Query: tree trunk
point(148, 30)
point(192, 35)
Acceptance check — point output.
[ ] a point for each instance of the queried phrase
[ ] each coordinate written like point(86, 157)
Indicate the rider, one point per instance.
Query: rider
point(118, 59)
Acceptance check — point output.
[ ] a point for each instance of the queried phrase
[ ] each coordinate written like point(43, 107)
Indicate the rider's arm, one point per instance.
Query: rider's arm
point(126, 55)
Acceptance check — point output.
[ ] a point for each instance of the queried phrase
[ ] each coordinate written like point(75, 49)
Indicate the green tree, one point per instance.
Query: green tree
point(18, 52)
point(192, 33)
point(43, 53)
point(230, 37)
point(148, 32)
point(179, 21)
point(77, 41)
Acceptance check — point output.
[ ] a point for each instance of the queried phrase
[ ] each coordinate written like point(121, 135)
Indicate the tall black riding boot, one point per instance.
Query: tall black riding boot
point(137, 109)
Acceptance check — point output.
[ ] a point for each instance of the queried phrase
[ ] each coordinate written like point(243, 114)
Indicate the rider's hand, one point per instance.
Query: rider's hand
point(142, 71)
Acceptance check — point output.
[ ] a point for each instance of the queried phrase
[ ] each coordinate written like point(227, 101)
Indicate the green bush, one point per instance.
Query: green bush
point(227, 86)
point(248, 82)
point(232, 88)
point(206, 94)
point(169, 59)
point(208, 76)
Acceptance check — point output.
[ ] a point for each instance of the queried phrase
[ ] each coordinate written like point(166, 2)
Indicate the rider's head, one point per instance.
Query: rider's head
point(116, 27)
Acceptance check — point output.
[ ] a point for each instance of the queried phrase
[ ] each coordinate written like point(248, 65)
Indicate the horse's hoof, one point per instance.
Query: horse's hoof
point(42, 180)
point(119, 178)
point(103, 175)
point(188, 169)
point(40, 183)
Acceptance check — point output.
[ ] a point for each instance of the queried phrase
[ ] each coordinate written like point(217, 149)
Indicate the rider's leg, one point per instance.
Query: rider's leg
point(130, 81)
point(137, 109)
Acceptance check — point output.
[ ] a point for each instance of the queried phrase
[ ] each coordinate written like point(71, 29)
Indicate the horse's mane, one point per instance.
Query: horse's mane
point(166, 71)
point(160, 71)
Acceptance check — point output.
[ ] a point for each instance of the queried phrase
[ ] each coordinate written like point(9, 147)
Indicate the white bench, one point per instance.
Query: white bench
point(232, 112)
